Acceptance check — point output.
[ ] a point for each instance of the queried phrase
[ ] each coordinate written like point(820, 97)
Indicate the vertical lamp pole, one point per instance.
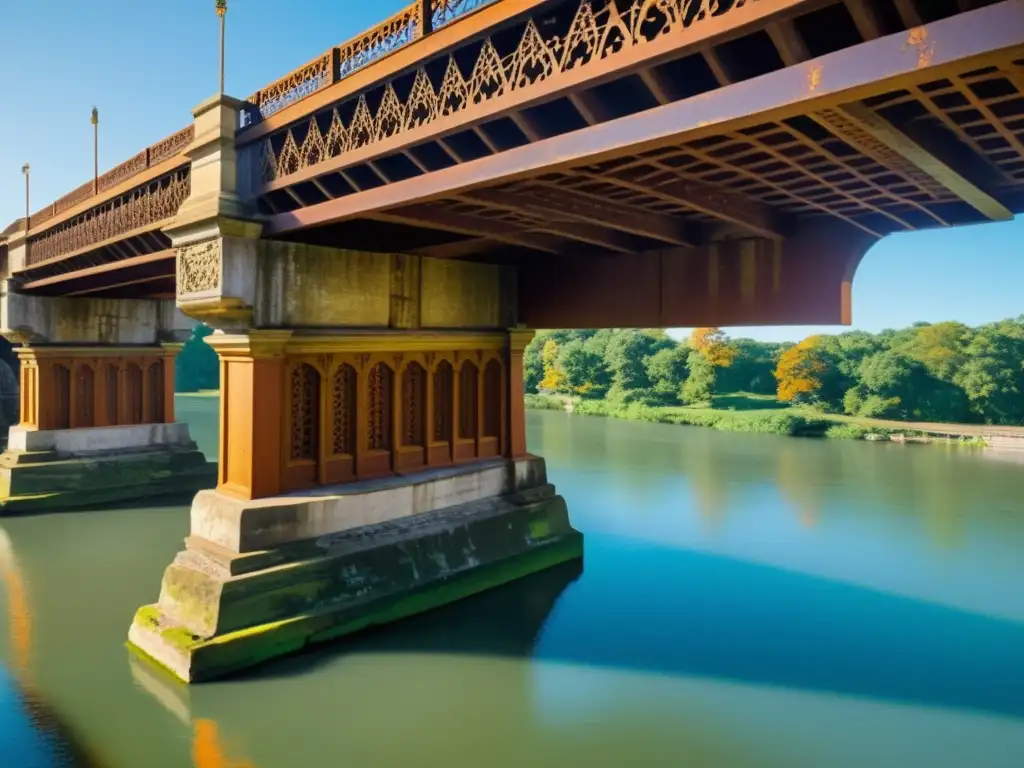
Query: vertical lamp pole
point(25, 169)
point(28, 221)
point(222, 9)
point(95, 120)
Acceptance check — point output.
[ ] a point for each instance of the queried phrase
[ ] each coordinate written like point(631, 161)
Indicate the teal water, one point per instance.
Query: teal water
point(745, 601)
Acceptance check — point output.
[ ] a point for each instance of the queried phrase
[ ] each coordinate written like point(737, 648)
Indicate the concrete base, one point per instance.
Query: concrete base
point(73, 468)
point(297, 574)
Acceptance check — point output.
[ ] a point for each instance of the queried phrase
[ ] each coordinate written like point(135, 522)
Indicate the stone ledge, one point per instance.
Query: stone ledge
point(249, 526)
point(48, 480)
point(97, 440)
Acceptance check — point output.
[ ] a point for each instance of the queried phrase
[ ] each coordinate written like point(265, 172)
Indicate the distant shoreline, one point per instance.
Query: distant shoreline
point(200, 393)
point(789, 421)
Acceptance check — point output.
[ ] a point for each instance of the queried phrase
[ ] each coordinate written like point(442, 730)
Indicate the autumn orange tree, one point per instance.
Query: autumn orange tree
point(800, 370)
point(709, 350)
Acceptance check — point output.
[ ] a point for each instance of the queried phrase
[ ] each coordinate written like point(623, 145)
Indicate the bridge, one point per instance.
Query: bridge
point(373, 235)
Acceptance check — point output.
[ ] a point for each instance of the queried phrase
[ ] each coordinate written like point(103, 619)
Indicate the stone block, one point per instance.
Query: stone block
point(70, 469)
point(319, 576)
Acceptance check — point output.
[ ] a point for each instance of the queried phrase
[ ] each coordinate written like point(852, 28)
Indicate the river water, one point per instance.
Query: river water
point(745, 601)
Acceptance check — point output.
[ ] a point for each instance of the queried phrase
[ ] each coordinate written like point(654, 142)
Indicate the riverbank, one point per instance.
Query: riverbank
point(200, 393)
point(740, 412)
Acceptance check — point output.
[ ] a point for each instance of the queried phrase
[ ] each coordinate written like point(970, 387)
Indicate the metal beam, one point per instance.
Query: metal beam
point(717, 202)
point(882, 130)
point(123, 264)
point(840, 77)
point(434, 217)
point(543, 203)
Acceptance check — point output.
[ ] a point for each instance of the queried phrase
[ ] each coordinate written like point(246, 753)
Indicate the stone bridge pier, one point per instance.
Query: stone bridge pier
point(373, 458)
point(96, 402)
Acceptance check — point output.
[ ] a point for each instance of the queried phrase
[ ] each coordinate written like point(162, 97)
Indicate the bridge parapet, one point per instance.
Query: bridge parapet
point(151, 157)
point(408, 24)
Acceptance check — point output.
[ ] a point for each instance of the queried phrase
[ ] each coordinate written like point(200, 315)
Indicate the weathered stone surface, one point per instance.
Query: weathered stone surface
point(32, 480)
point(221, 611)
point(247, 526)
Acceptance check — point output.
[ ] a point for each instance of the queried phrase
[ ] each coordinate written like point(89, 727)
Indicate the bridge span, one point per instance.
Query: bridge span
point(373, 235)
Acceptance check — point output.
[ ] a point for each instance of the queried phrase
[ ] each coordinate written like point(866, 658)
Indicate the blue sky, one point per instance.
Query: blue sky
point(145, 66)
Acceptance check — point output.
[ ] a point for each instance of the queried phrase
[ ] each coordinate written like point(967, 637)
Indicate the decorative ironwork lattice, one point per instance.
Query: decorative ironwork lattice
point(492, 399)
point(133, 393)
point(344, 408)
point(156, 392)
point(124, 171)
point(600, 30)
point(141, 207)
point(199, 267)
point(85, 393)
point(469, 377)
point(62, 390)
point(112, 392)
point(305, 411)
point(444, 12)
point(338, 63)
point(443, 379)
point(163, 150)
point(378, 385)
point(414, 401)
point(388, 36)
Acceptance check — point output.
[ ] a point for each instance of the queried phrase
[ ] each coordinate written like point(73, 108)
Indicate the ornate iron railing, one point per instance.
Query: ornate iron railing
point(148, 158)
point(340, 62)
point(600, 30)
point(136, 209)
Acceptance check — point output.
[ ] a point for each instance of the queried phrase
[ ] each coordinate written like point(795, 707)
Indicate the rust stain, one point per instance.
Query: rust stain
point(917, 40)
point(814, 78)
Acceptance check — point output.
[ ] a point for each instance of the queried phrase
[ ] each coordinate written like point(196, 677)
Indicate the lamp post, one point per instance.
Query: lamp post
point(25, 169)
point(95, 120)
point(222, 9)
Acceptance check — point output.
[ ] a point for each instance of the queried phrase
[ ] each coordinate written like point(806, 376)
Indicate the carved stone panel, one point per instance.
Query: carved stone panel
point(199, 268)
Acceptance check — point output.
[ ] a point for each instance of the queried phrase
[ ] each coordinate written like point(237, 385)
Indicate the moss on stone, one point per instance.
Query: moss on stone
point(243, 648)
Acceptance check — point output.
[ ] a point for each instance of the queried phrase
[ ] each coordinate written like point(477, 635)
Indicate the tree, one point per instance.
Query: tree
point(941, 348)
point(666, 370)
point(533, 366)
point(583, 369)
point(714, 345)
point(699, 387)
point(553, 377)
point(624, 358)
point(196, 365)
point(801, 371)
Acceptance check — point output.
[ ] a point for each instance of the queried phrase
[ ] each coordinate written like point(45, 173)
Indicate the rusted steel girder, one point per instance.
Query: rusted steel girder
point(844, 76)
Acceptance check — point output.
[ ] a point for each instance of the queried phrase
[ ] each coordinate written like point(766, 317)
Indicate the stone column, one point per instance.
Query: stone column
point(251, 412)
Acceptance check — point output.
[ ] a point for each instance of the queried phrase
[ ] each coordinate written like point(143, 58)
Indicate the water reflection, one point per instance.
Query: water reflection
point(30, 732)
point(748, 601)
point(503, 623)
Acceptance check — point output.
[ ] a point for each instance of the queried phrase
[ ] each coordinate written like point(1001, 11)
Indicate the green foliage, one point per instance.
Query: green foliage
point(545, 402)
point(699, 388)
point(665, 369)
point(943, 372)
point(196, 366)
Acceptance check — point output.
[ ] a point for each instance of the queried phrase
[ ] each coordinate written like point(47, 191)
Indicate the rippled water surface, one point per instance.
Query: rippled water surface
point(744, 601)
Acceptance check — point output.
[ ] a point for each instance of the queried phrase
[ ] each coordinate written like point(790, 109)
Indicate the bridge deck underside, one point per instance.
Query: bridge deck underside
point(764, 115)
point(931, 148)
